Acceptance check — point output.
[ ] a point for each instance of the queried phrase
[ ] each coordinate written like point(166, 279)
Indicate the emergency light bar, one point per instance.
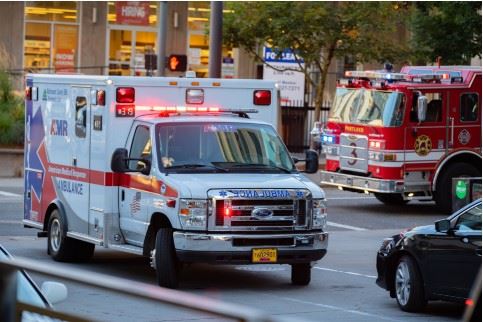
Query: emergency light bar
point(192, 109)
point(374, 75)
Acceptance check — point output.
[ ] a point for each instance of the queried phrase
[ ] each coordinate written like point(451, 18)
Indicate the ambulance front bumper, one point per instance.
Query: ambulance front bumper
point(361, 183)
point(237, 248)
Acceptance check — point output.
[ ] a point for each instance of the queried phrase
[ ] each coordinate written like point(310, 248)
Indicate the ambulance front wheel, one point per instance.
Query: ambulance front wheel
point(301, 274)
point(63, 248)
point(165, 261)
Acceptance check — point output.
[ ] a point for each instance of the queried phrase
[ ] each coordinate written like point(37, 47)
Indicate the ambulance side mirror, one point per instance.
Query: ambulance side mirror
point(422, 108)
point(119, 161)
point(311, 161)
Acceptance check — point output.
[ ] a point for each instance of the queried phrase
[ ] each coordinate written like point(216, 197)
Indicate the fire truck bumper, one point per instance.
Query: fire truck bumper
point(361, 183)
point(237, 248)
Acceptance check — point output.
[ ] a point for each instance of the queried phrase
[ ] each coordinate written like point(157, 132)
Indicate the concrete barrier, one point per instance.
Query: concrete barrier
point(11, 162)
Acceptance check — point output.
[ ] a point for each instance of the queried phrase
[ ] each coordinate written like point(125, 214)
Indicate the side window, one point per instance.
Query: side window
point(470, 220)
point(469, 107)
point(140, 147)
point(435, 107)
point(80, 116)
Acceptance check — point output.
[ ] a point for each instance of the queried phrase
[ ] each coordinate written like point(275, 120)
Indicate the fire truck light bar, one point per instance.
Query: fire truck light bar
point(375, 75)
point(192, 109)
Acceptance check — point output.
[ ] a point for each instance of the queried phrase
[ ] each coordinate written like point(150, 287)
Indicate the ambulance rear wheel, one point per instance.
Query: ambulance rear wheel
point(443, 194)
point(395, 199)
point(301, 274)
point(165, 260)
point(62, 248)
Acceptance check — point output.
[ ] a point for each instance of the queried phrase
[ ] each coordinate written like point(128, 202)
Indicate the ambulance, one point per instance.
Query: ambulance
point(179, 170)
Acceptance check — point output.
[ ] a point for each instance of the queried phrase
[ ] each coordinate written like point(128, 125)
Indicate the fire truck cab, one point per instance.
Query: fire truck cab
point(170, 168)
point(404, 136)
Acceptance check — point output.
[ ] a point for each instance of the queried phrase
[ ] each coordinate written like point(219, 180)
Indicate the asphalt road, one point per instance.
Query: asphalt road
point(343, 283)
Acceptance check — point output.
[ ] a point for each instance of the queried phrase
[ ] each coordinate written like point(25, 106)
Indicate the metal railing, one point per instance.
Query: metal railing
point(11, 310)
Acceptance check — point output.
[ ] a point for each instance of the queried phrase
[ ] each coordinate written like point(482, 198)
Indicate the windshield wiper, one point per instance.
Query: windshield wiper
point(254, 165)
point(196, 165)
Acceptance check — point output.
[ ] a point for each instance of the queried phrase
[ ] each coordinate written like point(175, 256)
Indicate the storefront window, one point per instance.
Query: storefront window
point(120, 52)
point(51, 36)
point(51, 11)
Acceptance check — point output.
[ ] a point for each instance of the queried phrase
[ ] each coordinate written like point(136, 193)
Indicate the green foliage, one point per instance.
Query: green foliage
point(318, 32)
point(449, 29)
point(11, 114)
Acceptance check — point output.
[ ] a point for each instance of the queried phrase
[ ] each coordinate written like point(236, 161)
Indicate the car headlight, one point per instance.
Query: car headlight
point(319, 214)
point(387, 245)
point(193, 213)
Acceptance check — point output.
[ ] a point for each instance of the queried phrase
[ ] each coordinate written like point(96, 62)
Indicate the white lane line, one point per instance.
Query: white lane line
point(9, 194)
point(344, 272)
point(334, 224)
point(337, 308)
point(348, 198)
point(10, 222)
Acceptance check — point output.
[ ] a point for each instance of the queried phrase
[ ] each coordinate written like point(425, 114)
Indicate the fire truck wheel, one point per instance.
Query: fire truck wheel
point(165, 259)
point(301, 274)
point(59, 246)
point(395, 199)
point(443, 194)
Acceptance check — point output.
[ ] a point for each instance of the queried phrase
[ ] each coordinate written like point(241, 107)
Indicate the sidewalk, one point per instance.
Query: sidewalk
point(16, 182)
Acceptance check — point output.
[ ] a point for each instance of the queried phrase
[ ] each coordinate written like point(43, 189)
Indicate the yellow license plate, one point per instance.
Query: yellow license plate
point(264, 255)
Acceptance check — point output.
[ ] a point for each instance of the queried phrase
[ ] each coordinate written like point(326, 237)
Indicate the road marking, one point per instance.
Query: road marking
point(334, 224)
point(10, 222)
point(337, 308)
point(345, 198)
point(9, 194)
point(344, 272)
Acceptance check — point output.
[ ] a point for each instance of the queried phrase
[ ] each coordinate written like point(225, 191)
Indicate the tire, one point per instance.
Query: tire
point(443, 194)
point(408, 285)
point(301, 274)
point(166, 263)
point(394, 199)
point(62, 248)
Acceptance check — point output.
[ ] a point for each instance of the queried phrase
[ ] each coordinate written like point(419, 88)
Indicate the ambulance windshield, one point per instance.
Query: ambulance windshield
point(366, 106)
point(227, 147)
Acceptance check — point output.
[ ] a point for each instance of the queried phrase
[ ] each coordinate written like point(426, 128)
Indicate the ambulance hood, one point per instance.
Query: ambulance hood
point(197, 185)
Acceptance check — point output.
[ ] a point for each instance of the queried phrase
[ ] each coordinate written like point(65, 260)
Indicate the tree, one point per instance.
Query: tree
point(450, 30)
point(317, 32)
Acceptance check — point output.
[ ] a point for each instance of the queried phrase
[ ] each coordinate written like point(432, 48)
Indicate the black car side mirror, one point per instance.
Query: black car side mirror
point(442, 226)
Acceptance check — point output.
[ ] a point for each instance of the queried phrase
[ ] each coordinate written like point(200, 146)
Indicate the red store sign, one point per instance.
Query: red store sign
point(132, 13)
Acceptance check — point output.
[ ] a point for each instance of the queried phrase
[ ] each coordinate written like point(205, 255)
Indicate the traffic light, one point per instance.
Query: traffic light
point(177, 63)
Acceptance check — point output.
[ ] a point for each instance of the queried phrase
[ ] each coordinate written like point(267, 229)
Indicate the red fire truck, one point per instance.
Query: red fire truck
point(404, 136)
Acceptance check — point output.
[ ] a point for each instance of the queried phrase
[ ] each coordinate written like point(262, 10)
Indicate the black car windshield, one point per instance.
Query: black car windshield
point(26, 292)
point(233, 147)
point(367, 106)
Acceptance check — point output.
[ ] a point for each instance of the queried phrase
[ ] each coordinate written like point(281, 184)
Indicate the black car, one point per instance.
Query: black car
point(437, 262)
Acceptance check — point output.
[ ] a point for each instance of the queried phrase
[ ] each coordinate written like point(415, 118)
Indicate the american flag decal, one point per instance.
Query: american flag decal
point(136, 203)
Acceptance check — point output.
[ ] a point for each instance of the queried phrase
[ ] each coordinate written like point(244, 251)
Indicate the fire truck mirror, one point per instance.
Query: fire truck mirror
point(311, 161)
point(422, 108)
point(119, 160)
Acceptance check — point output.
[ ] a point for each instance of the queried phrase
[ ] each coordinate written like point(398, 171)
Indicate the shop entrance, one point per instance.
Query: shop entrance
point(127, 49)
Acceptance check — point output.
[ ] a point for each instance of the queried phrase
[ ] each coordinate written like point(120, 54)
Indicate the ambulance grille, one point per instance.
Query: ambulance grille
point(286, 214)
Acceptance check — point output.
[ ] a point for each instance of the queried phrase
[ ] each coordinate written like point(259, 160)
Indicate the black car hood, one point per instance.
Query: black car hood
point(429, 229)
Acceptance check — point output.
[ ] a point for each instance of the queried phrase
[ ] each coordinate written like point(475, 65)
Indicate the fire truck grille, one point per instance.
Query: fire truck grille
point(353, 152)
point(242, 213)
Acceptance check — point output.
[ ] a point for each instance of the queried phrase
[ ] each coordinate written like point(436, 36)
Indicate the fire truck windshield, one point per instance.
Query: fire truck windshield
point(368, 106)
point(221, 146)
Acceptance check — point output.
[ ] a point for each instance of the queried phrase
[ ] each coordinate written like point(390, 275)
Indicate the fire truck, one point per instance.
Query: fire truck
point(404, 136)
point(180, 170)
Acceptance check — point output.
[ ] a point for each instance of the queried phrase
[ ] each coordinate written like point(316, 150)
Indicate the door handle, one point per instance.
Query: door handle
point(122, 195)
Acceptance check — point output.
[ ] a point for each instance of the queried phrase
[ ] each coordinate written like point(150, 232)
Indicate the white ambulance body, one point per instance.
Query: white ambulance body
point(170, 168)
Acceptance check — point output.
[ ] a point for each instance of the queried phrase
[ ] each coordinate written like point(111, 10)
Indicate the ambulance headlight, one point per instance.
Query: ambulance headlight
point(319, 214)
point(193, 213)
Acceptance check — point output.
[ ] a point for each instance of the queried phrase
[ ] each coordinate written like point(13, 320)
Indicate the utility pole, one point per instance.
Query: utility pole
point(163, 30)
point(216, 25)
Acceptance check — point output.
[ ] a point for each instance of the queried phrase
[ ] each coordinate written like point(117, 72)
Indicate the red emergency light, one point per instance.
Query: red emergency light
point(101, 98)
point(262, 97)
point(227, 212)
point(125, 95)
point(28, 93)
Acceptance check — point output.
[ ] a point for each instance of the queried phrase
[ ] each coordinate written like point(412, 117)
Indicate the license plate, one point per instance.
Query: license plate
point(264, 255)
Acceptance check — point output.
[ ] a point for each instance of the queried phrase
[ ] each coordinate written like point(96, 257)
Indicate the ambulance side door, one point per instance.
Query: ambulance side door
point(135, 193)
point(79, 187)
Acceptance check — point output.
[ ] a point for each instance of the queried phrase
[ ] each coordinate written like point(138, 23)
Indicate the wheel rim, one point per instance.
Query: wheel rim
point(403, 283)
point(55, 235)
